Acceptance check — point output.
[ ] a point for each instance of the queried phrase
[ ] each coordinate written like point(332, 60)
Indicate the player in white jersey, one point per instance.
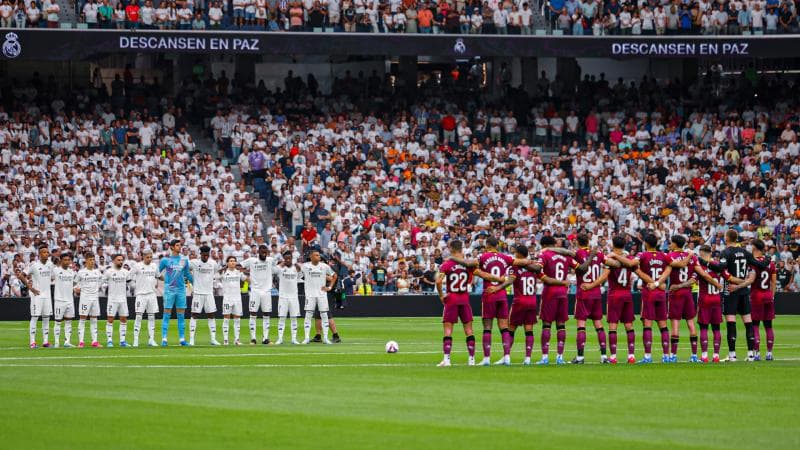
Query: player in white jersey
point(64, 299)
point(319, 280)
point(231, 280)
point(260, 271)
point(145, 276)
point(289, 275)
point(38, 279)
point(116, 278)
point(89, 281)
point(203, 271)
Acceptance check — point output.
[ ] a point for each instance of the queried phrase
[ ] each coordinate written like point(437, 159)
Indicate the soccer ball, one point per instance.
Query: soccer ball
point(392, 347)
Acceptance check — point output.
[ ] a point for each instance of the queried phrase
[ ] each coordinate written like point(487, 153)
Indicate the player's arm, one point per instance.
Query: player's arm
point(331, 281)
point(563, 251)
point(644, 277)
point(487, 276)
point(760, 265)
point(598, 282)
point(612, 263)
point(663, 278)
point(187, 274)
point(773, 283)
point(681, 263)
point(509, 280)
point(584, 266)
point(709, 279)
point(553, 281)
point(625, 261)
point(471, 263)
point(686, 284)
point(751, 277)
point(439, 289)
point(28, 280)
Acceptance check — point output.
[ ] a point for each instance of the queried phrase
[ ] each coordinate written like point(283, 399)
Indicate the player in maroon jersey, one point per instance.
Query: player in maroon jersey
point(555, 307)
point(681, 300)
point(494, 300)
point(589, 298)
point(709, 305)
point(654, 268)
point(523, 310)
point(619, 307)
point(762, 298)
point(457, 278)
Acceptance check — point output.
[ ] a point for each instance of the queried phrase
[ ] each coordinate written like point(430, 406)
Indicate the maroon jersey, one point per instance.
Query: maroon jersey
point(457, 280)
point(653, 264)
point(557, 267)
point(679, 276)
point(496, 264)
point(591, 275)
point(524, 285)
point(709, 294)
point(761, 289)
point(619, 280)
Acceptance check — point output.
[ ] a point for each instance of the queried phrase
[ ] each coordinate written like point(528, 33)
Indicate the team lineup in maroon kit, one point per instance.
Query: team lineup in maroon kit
point(737, 283)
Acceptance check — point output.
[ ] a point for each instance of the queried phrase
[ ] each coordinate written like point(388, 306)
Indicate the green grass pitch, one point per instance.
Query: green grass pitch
point(353, 395)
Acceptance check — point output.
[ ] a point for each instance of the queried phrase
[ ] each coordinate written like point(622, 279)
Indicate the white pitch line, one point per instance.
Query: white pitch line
point(213, 366)
point(194, 355)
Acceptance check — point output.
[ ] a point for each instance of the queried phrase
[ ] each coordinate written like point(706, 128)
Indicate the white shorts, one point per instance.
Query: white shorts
point(41, 306)
point(89, 307)
point(320, 303)
point(115, 308)
point(64, 310)
point(290, 305)
point(232, 307)
point(260, 300)
point(203, 302)
point(146, 303)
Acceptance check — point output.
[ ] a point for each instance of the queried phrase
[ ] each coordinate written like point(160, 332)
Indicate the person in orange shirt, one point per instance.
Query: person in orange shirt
point(425, 20)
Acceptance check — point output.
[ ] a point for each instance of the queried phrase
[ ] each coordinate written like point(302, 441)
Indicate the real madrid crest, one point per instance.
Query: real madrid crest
point(11, 46)
point(460, 47)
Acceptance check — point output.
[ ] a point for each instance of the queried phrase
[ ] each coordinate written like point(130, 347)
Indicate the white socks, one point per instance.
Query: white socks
point(57, 332)
point(281, 327)
point(93, 328)
point(212, 327)
point(325, 324)
point(252, 326)
point(307, 324)
point(192, 329)
point(137, 326)
point(265, 326)
point(32, 328)
point(225, 327)
point(294, 328)
point(45, 329)
point(109, 331)
point(236, 322)
point(151, 326)
point(68, 331)
point(123, 331)
point(81, 329)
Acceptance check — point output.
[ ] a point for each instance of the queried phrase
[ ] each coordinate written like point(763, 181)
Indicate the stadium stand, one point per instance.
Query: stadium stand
point(559, 17)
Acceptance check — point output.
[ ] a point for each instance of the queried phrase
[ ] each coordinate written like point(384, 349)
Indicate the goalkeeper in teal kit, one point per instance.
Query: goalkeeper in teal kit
point(175, 269)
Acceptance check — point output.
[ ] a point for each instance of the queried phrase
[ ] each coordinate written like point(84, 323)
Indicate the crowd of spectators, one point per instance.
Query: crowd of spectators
point(575, 17)
point(78, 175)
point(381, 179)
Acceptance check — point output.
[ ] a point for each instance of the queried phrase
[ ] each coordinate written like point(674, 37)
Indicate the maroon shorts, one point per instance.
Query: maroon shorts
point(654, 305)
point(494, 309)
point(452, 313)
point(763, 311)
point(523, 314)
point(589, 308)
point(620, 307)
point(554, 310)
point(709, 313)
point(681, 305)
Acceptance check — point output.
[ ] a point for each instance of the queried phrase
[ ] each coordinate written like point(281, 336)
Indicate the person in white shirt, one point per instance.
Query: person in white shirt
point(319, 280)
point(260, 272)
point(89, 280)
point(203, 271)
point(231, 280)
point(64, 302)
point(289, 275)
point(116, 278)
point(145, 275)
point(38, 280)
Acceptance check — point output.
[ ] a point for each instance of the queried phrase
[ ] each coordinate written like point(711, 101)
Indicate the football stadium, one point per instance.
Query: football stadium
point(399, 224)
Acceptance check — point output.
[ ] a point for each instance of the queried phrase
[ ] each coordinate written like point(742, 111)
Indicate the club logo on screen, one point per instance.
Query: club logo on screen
point(11, 46)
point(460, 47)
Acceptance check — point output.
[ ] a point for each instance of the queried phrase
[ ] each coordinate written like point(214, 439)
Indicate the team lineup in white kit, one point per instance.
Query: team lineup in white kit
point(89, 282)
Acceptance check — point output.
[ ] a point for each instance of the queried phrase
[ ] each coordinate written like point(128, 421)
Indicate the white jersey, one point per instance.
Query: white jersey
point(89, 281)
point(231, 281)
point(41, 276)
point(288, 277)
point(203, 274)
point(145, 277)
point(65, 283)
point(316, 278)
point(117, 280)
point(260, 273)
